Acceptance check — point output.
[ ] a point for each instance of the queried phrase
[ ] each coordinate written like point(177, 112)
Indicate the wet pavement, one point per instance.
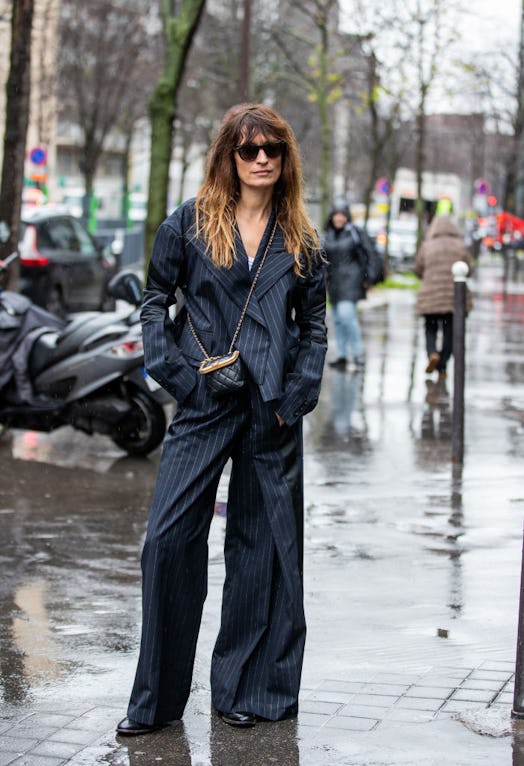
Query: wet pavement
point(412, 571)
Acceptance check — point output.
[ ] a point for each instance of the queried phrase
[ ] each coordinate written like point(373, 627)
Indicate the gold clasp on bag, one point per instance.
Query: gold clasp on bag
point(217, 362)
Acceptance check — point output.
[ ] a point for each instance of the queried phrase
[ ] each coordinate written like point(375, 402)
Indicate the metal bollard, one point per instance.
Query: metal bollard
point(460, 271)
point(518, 694)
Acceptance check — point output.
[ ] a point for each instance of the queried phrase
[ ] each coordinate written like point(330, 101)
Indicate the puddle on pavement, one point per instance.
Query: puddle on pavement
point(383, 505)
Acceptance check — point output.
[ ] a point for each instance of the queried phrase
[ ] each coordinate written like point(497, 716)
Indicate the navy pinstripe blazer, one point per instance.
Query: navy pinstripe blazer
point(283, 339)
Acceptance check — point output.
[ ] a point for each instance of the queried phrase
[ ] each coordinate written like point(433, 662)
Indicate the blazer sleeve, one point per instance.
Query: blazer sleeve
point(163, 359)
point(302, 384)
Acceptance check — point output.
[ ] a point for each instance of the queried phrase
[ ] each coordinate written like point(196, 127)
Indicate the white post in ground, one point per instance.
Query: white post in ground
point(460, 271)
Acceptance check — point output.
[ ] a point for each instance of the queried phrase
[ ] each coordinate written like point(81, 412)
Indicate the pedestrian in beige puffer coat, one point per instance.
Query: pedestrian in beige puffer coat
point(442, 247)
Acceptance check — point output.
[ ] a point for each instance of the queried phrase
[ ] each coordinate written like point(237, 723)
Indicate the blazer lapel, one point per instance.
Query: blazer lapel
point(236, 281)
point(278, 261)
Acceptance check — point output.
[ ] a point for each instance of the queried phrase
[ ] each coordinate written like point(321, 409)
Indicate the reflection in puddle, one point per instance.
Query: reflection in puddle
point(32, 633)
point(436, 420)
point(404, 565)
point(268, 743)
point(66, 448)
point(169, 746)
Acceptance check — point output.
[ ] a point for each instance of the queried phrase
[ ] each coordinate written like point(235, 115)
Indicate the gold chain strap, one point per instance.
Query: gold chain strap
point(246, 304)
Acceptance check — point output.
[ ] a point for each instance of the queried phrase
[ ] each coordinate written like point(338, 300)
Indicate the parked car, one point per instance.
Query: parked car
point(402, 243)
point(62, 267)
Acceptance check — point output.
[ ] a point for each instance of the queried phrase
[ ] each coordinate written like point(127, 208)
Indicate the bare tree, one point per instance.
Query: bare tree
point(244, 76)
point(178, 31)
point(103, 46)
point(380, 129)
point(316, 73)
point(493, 84)
point(387, 138)
point(428, 47)
point(16, 122)
point(289, 69)
point(210, 87)
point(417, 36)
point(135, 108)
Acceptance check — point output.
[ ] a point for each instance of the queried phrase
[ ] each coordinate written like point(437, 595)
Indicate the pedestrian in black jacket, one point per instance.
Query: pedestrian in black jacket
point(351, 270)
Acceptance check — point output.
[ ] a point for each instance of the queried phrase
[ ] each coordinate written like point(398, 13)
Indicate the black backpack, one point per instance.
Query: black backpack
point(371, 257)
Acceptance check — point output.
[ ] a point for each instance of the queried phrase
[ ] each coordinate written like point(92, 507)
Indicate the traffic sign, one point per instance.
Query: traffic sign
point(38, 155)
point(481, 186)
point(382, 186)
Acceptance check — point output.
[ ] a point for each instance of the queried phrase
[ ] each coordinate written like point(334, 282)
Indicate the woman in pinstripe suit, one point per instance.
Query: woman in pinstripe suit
point(250, 204)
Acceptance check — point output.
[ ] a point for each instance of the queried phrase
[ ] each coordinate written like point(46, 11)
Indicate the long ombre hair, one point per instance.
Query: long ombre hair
point(218, 196)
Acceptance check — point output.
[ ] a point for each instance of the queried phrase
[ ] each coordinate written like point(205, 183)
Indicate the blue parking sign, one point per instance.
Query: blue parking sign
point(38, 156)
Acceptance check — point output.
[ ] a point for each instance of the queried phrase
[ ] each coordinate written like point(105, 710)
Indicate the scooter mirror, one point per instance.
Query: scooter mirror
point(126, 286)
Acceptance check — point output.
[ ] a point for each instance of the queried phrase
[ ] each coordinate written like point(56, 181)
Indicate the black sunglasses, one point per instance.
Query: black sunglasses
point(249, 152)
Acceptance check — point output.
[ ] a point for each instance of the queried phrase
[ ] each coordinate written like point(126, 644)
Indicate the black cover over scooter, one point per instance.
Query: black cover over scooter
point(21, 323)
point(87, 372)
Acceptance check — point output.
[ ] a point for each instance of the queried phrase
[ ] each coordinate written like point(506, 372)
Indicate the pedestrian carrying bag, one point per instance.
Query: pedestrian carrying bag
point(226, 374)
point(374, 263)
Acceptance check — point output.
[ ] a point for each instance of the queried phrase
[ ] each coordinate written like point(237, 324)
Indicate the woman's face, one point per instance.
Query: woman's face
point(339, 219)
point(263, 171)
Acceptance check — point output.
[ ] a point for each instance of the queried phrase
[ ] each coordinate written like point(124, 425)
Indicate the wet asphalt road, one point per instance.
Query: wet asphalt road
point(412, 570)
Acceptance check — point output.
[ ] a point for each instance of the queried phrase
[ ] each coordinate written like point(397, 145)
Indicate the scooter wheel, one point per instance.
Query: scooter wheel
point(144, 428)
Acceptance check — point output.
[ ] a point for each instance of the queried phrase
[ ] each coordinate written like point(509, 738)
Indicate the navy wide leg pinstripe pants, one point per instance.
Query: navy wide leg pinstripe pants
point(257, 660)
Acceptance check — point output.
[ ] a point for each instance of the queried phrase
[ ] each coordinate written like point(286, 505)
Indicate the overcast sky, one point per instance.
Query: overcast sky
point(487, 22)
point(486, 27)
point(492, 21)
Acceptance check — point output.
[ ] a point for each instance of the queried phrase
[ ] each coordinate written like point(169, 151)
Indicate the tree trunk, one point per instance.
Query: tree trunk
point(244, 83)
point(391, 169)
point(419, 163)
point(376, 144)
point(16, 121)
point(178, 33)
point(125, 179)
point(89, 202)
point(325, 132)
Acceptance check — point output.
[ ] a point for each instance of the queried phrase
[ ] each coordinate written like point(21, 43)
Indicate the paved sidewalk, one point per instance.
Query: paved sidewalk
point(342, 712)
point(412, 577)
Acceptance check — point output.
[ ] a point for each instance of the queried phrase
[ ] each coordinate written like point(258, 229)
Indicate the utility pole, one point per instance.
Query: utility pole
point(519, 125)
point(16, 121)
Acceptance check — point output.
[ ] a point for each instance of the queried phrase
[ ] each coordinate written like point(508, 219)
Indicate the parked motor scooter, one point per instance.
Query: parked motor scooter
point(87, 372)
